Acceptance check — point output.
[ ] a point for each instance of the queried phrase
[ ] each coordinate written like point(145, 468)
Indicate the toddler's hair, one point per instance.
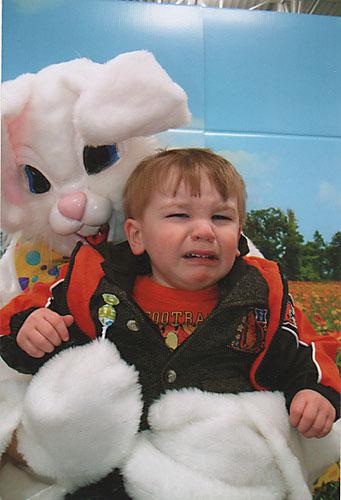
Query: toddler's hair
point(165, 170)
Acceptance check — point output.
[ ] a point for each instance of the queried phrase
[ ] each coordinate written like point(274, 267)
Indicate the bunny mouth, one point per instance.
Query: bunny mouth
point(99, 237)
point(87, 230)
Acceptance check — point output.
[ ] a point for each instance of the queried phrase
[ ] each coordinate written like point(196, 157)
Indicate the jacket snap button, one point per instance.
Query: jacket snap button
point(133, 326)
point(171, 376)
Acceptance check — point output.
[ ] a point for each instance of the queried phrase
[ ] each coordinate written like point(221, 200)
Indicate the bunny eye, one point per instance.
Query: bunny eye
point(99, 158)
point(37, 182)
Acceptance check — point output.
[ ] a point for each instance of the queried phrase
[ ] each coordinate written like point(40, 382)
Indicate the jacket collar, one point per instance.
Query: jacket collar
point(121, 266)
point(243, 285)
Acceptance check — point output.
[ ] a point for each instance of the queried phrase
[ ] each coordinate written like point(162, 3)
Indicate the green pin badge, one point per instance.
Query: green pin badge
point(107, 313)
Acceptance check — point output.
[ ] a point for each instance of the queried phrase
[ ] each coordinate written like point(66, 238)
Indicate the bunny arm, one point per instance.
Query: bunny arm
point(203, 445)
point(79, 420)
point(13, 386)
point(80, 415)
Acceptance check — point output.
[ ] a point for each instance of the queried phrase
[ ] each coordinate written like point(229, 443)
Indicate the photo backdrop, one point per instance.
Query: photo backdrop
point(264, 87)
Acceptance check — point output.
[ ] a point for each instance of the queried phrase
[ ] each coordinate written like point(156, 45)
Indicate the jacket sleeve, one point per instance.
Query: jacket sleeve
point(19, 360)
point(297, 358)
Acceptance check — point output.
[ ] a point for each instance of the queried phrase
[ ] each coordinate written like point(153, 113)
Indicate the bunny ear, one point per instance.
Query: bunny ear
point(77, 73)
point(132, 96)
point(15, 95)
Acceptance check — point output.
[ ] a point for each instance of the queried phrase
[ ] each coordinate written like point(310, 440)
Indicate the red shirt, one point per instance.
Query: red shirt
point(176, 312)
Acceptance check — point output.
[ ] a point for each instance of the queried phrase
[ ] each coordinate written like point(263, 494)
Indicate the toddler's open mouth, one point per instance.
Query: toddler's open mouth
point(200, 255)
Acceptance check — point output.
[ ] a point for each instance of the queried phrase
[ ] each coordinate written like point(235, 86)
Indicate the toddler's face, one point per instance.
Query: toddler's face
point(192, 241)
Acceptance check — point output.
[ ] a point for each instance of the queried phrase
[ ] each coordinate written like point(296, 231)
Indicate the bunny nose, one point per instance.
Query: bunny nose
point(72, 205)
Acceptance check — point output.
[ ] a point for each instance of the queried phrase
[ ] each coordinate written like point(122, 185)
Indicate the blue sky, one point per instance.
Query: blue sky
point(264, 88)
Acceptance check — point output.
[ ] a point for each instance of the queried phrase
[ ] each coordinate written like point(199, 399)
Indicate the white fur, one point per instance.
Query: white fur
point(253, 250)
point(318, 454)
point(133, 97)
point(8, 277)
point(12, 392)
point(47, 120)
point(81, 414)
point(210, 446)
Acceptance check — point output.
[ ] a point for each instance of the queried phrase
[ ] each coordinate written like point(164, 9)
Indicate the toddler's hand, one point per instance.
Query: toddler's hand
point(42, 331)
point(312, 414)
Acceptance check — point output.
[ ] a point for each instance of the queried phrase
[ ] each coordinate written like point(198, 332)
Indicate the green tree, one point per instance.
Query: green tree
point(292, 242)
point(267, 229)
point(333, 257)
point(277, 236)
point(314, 262)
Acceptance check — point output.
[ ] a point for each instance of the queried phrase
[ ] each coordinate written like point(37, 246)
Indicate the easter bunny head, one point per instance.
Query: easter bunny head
point(71, 135)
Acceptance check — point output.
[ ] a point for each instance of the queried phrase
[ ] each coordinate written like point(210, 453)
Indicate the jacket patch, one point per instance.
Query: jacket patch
point(251, 332)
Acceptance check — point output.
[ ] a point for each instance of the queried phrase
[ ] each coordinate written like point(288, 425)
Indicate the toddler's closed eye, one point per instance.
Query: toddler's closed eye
point(177, 215)
point(220, 217)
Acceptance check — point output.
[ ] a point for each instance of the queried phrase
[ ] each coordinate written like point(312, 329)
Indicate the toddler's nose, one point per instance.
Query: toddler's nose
point(202, 230)
point(72, 205)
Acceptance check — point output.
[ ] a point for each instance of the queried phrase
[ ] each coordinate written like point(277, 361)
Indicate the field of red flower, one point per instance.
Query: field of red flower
point(321, 302)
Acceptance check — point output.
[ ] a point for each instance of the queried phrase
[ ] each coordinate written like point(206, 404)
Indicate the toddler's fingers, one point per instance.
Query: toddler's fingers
point(68, 320)
point(312, 427)
point(32, 350)
point(296, 411)
point(311, 413)
point(51, 330)
point(62, 327)
point(40, 342)
point(55, 328)
point(61, 324)
point(303, 417)
point(327, 428)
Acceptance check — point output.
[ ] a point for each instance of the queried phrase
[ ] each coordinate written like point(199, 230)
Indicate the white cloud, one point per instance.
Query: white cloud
point(329, 194)
point(258, 172)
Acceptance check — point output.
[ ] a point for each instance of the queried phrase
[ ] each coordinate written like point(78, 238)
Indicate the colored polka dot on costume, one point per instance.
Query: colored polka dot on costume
point(23, 282)
point(33, 258)
point(54, 271)
point(34, 279)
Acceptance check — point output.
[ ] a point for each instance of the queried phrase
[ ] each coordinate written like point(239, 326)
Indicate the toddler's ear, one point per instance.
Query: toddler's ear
point(133, 233)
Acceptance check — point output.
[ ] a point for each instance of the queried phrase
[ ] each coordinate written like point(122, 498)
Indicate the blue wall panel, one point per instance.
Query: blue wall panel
point(272, 73)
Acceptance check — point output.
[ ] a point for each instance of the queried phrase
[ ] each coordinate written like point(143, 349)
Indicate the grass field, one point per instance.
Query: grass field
point(321, 302)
